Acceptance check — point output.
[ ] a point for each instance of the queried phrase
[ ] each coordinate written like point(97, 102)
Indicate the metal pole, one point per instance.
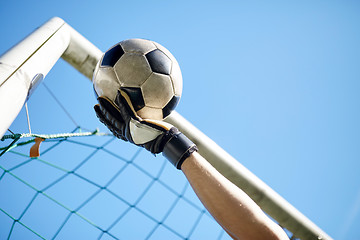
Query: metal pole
point(24, 66)
point(81, 53)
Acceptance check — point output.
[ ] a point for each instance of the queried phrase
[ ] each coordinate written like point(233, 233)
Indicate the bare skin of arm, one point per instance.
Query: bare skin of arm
point(232, 208)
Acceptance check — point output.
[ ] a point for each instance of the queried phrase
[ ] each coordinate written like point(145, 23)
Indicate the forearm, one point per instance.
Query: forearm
point(235, 211)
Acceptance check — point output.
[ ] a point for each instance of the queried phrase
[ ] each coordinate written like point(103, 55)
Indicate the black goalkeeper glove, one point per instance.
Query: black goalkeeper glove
point(156, 136)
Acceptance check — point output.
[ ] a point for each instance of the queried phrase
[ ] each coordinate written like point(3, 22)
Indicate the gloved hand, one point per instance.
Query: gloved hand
point(155, 136)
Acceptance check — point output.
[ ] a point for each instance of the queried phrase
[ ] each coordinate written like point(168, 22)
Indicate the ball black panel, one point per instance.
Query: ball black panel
point(112, 56)
point(136, 97)
point(170, 106)
point(159, 62)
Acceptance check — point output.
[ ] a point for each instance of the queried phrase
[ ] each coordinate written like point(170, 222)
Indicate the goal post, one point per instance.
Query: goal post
point(28, 62)
point(23, 67)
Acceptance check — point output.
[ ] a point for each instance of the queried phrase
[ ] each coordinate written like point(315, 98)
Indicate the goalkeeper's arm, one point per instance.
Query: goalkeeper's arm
point(230, 206)
point(235, 211)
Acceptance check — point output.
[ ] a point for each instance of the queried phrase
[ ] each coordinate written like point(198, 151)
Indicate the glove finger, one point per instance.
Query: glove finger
point(111, 108)
point(114, 122)
point(126, 108)
point(114, 126)
point(106, 122)
point(160, 125)
point(125, 105)
point(140, 131)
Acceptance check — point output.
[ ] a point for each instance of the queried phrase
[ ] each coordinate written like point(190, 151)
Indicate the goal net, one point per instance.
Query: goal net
point(90, 185)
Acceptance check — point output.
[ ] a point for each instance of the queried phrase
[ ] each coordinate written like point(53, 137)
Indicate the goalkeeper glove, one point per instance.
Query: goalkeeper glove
point(155, 136)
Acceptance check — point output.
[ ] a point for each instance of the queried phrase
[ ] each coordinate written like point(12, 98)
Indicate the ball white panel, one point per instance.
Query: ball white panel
point(176, 78)
point(132, 70)
point(157, 90)
point(138, 45)
point(105, 83)
point(150, 113)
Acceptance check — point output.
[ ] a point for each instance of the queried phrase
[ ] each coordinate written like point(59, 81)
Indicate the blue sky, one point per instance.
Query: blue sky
point(275, 84)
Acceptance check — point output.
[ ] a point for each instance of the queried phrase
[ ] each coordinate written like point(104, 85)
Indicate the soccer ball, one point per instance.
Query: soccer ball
point(146, 71)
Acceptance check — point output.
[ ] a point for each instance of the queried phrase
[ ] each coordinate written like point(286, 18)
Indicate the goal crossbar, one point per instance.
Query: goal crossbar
point(28, 62)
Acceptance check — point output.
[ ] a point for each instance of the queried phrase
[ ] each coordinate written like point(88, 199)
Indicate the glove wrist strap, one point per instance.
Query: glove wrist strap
point(178, 148)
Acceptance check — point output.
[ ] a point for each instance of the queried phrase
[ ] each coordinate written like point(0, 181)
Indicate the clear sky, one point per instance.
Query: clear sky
point(276, 84)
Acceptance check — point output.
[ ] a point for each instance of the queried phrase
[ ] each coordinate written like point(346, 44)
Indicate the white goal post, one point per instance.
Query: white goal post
point(28, 62)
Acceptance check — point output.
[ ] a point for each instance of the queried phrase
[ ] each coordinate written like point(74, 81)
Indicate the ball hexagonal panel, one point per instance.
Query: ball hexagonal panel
point(112, 56)
point(138, 45)
point(157, 90)
point(105, 83)
point(132, 70)
point(159, 62)
point(177, 79)
point(150, 113)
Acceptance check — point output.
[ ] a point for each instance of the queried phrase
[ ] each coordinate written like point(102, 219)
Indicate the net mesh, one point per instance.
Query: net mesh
point(90, 185)
point(97, 194)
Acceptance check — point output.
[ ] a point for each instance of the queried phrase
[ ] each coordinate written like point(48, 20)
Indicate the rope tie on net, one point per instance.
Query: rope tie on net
point(38, 138)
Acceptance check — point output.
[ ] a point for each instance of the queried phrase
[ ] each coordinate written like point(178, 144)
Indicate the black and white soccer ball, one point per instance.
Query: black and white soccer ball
point(146, 71)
